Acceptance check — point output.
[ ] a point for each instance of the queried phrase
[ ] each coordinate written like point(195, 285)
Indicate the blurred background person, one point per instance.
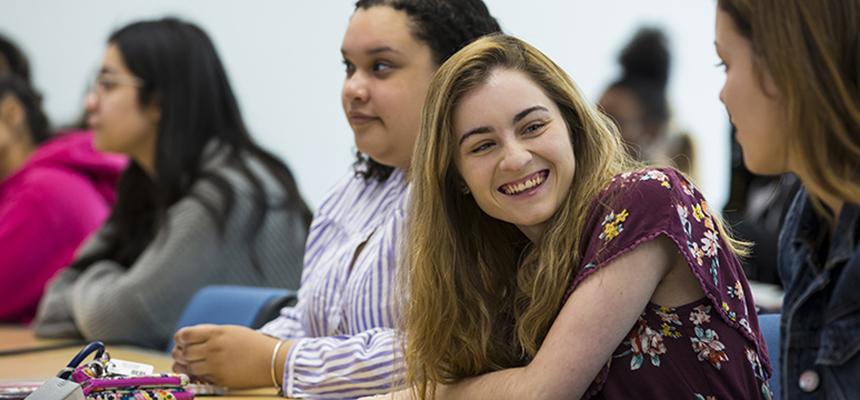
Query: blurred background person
point(638, 103)
point(200, 202)
point(54, 192)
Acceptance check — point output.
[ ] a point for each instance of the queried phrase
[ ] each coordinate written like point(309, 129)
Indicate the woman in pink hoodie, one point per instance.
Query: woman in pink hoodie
point(54, 192)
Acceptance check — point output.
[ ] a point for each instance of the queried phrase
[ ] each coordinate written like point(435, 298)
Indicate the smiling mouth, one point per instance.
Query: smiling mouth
point(524, 185)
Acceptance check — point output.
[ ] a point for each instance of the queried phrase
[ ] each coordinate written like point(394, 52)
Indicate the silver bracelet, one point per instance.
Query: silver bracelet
point(274, 360)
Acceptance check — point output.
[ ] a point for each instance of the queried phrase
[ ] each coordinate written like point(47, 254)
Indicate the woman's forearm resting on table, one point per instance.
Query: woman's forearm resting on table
point(589, 327)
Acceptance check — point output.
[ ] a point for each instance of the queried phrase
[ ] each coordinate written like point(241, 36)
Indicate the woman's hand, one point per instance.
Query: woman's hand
point(227, 355)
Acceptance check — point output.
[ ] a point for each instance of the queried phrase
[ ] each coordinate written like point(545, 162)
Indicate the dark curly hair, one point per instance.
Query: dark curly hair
point(646, 62)
point(15, 58)
point(445, 26)
point(38, 124)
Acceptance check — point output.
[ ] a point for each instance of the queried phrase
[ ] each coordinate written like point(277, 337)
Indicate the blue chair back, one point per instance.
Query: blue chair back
point(769, 324)
point(234, 305)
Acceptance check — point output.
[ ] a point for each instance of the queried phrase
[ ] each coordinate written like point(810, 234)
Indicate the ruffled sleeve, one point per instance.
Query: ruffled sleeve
point(636, 207)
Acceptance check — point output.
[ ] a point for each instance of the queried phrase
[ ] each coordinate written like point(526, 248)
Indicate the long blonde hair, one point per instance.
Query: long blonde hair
point(482, 298)
point(810, 49)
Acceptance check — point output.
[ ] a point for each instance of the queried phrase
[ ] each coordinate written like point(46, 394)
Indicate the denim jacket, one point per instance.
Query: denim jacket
point(820, 340)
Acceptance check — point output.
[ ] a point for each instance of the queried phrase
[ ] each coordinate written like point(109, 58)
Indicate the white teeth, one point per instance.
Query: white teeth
point(524, 186)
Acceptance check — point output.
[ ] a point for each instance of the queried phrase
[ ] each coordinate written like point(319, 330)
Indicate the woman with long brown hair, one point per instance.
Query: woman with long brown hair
point(545, 263)
point(793, 92)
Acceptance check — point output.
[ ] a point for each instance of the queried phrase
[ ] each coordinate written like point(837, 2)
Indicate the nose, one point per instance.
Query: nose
point(355, 88)
point(515, 158)
point(723, 93)
point(90, 101)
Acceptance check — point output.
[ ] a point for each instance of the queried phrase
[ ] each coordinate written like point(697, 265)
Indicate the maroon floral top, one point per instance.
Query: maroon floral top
point(709, 349)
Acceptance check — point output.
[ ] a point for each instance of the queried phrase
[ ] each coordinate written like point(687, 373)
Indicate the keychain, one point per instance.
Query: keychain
point(104, 378)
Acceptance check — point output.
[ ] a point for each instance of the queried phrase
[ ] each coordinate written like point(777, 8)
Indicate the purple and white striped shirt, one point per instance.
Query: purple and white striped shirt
point(344, 322)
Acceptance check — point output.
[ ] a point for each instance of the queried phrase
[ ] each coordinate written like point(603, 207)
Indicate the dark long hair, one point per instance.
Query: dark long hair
point(445, 26)
point(38, 125)
point(182, 73)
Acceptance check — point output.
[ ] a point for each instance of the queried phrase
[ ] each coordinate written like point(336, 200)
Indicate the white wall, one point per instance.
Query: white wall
point(284, 61)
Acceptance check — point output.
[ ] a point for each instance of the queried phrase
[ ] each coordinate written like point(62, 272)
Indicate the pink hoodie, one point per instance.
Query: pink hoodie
point(60, 196)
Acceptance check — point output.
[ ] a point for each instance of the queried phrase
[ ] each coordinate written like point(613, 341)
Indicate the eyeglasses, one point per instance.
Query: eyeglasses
point(105, 82)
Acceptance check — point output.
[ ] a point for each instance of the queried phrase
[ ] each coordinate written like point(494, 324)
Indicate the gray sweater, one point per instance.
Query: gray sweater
point(142, 303)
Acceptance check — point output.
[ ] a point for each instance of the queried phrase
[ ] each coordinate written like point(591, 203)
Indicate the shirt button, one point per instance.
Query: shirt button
point(809, 381)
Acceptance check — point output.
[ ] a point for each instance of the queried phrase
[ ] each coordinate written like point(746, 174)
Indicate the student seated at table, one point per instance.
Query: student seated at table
point(55, 190)
point(637, 101)
point(200, 202)
point(340, 339)
point(792, 90)
point(544, 263)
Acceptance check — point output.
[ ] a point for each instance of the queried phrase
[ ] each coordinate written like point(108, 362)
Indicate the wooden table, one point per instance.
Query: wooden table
point(42, 365)
point(13, 337)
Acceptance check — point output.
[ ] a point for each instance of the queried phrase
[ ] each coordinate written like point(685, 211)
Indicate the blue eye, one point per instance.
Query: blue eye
point(482, 147)
point(534, 127)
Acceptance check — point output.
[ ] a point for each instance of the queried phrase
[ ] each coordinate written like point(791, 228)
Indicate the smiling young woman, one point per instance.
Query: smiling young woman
point(565, 270)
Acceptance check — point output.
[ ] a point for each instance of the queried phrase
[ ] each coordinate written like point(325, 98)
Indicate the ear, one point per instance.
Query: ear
point(4, 65)
point(12, 112)
point(153, 112)
point(462, 186)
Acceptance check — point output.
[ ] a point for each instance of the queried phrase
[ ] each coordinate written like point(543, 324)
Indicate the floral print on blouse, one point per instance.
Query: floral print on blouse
point(709, 349)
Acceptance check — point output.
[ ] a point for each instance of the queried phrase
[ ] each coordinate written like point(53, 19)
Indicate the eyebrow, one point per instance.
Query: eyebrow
point(476, 131)
point(517, 118)
point(522, 114)
point(375, 50)
point(382, 49)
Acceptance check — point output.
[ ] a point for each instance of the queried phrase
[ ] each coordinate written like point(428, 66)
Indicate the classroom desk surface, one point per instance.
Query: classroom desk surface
point(16, 337)
point(42, 365)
